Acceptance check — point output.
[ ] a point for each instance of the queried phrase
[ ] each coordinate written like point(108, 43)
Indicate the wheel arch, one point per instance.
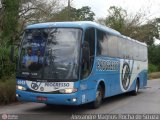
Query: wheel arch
point(102, 83)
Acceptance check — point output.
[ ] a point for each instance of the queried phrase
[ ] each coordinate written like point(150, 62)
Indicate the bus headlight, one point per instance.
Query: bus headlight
point(68, 90)
point(19, 87)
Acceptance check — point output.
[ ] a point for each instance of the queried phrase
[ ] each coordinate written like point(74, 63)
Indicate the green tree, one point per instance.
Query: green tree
point(82, 14)
point(85, 14)
point(153, 54)
point(34, 11)
point(10, 12)
point(9, 23)
point(63, 15)
point(146, 33)
point(119, 20)
point(116, 18)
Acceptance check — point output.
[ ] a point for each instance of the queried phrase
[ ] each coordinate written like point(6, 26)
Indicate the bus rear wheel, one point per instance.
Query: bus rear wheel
point(99, 96)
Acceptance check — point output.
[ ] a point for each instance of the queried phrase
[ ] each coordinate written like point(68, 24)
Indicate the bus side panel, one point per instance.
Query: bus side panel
point(103, 70)
point(87, 89)
point(143, 78)
point(107, 69)
point(142, 73)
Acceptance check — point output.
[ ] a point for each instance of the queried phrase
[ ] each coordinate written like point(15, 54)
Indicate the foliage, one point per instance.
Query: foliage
point(85, 14)
point(153, 55)
point(116, 18)
point(35, 11)
point(65, 15)
point(9, 16)
point(7, 68)
point(153, 68)
point(7, 90)
point(73, 14)
point(119, 20)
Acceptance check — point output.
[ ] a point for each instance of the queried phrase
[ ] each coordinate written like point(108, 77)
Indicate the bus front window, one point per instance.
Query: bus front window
point(31, 56)
point(62, 54)
point(50, 53)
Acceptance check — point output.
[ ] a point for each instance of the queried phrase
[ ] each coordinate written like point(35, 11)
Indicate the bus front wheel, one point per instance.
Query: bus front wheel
point(99, 96)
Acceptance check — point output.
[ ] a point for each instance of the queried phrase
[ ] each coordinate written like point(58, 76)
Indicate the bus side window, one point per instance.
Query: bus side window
point(88, 49)
point(102, 43)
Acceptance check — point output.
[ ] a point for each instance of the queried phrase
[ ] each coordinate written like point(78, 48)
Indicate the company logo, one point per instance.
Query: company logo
point(9, 117)
point(42, 88)
point(126, 76)
point(107, 65)
point(48, 86)
point(35, 85)
point(4, 116)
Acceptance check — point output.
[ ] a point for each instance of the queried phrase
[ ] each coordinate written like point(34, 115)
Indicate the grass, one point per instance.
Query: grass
point(7, 90)
point(154, 75)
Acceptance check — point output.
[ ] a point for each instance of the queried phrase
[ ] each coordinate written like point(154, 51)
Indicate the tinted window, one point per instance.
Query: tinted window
point(115, 46)
point(145, 53)
point(107, 44)
point(121, 48)
point(112, 46)
point(102, 43)
point(142, 53)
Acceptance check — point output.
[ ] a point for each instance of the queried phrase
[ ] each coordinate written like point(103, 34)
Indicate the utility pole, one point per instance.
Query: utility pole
point(69, 9)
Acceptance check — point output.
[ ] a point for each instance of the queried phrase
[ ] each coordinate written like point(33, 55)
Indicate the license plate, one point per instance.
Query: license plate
point(40, 98)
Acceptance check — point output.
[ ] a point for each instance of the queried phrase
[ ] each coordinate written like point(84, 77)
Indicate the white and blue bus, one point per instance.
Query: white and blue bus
point(73, 63)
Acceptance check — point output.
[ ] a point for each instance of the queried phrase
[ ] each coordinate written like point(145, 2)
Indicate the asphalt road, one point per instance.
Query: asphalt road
point(146, 102)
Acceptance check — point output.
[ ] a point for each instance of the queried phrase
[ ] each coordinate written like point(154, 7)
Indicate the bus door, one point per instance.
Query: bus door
point(87, 61)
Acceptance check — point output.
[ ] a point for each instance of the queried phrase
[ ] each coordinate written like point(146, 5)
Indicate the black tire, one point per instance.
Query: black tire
point(135, 92)
point(99, 97)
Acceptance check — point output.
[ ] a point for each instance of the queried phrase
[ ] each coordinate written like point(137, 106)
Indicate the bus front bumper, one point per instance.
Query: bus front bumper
point(58, 99)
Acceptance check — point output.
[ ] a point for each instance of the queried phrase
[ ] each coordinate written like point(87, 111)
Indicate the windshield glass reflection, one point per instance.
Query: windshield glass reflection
point(50, 53)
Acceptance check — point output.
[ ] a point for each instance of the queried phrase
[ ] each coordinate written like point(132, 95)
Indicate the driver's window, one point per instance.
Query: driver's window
point(33, 49)
point(88, 52)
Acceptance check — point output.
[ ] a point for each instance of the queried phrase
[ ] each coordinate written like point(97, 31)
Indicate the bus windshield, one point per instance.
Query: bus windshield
point(50, 53)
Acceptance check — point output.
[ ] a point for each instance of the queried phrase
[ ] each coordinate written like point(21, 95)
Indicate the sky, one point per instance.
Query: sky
point(156, 41)
point(151, 8)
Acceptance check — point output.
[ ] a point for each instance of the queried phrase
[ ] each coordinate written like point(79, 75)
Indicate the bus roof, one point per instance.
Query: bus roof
point(128, 38)
point(80, 24)
point(76, 24)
